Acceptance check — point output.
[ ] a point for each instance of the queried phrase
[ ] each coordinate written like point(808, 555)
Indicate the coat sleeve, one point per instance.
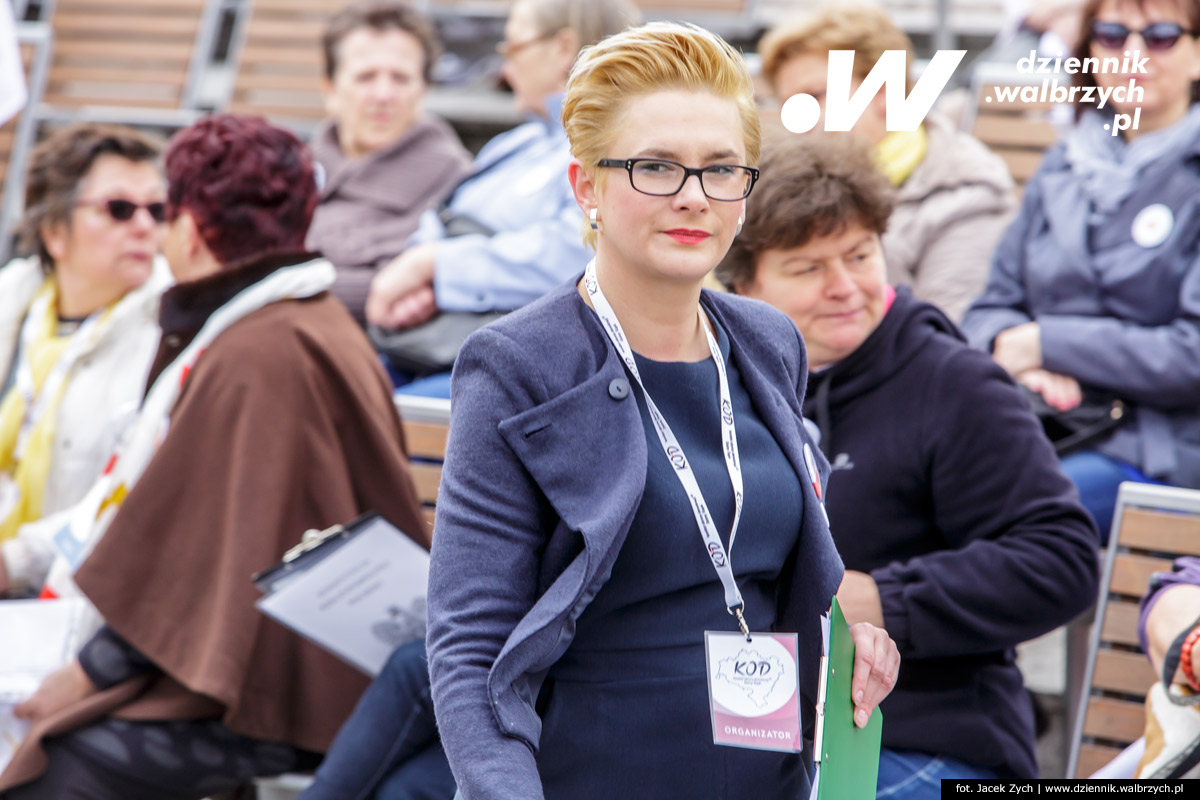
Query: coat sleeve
point(1153, 365)
point(1021, 554)
point(513, 267)
point(1004, 303)
point(484, 570)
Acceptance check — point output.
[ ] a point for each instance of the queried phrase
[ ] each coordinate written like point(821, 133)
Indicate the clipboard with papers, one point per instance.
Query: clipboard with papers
point(846, 757)
point(358, 590)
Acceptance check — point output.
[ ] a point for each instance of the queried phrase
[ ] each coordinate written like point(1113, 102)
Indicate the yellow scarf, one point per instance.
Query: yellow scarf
point(30, 473)
point(899, 153)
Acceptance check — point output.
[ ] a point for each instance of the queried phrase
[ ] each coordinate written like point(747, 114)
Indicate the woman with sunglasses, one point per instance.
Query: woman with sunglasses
point(78, 327)
point(1094, 293)
point(628, 479)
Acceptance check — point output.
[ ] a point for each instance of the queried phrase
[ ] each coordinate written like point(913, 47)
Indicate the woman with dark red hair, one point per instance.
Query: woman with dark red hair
point(267, 414)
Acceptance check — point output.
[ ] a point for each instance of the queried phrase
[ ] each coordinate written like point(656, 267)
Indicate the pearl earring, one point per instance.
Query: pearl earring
point(594, 219)
point(738, 229)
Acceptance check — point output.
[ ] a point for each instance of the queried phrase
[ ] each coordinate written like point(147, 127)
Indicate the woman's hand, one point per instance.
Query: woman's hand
point(62, 688)
point(1060, 392)
point(859, 598)
point(401, 294)
point(876, 664)
point(1018, 349)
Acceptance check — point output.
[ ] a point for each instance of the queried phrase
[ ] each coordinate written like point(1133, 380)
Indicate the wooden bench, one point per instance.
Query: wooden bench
point(129, 61)
point(1152, 526)
point(278, 62)
point(426, 424)
point(17, 135)
point(1016, 130)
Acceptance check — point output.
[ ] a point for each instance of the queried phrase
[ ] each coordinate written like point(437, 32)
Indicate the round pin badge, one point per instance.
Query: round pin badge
point(1152, 225)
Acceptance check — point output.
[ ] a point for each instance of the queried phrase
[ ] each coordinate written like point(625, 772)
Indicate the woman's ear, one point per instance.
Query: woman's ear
point(582, 185)
point(55, 237)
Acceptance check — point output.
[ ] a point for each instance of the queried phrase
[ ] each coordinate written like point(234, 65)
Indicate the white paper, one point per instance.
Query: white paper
point(362, 601)
point(12, 74)
point(39, 637)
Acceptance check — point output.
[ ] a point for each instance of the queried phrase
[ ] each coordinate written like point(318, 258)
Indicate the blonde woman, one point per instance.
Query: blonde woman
point(609, 445)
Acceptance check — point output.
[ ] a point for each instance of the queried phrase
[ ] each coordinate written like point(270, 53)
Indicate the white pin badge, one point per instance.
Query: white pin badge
point(1152, 225)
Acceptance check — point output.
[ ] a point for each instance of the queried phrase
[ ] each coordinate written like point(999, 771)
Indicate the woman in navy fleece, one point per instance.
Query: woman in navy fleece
point(960, 534)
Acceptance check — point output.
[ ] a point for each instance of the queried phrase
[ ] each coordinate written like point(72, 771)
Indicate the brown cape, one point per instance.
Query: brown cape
point(286, 423)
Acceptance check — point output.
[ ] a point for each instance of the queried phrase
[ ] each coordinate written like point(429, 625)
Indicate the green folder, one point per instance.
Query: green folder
point(847, 757)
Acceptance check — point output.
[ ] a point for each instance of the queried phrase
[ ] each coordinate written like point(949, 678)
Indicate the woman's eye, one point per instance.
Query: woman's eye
point(652, 168)
point(721, 170)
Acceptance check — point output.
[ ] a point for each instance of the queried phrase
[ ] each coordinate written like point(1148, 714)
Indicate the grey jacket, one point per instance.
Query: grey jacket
point(544, 470)
point(949, 215)
point(1115, 315)
point(370, 206)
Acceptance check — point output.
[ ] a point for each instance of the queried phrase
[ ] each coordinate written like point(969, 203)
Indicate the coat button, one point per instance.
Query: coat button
point(172, 340)
point(618, 389)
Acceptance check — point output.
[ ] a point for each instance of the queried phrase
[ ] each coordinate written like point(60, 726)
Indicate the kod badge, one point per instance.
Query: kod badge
point(1152, 225)
point(753, 690)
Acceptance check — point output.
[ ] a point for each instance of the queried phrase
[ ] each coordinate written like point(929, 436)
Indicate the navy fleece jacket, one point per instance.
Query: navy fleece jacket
point(947, 492)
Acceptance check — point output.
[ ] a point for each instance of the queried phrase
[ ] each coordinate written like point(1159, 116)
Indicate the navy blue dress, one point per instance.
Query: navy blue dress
point(625, 711)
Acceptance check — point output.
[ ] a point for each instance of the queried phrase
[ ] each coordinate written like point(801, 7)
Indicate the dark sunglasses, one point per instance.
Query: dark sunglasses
point(123, 210)
point(1157, 36)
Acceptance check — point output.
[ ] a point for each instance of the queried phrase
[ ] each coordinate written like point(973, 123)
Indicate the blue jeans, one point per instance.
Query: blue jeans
point(909, 775)
point(1097, 478)
point(389, 748)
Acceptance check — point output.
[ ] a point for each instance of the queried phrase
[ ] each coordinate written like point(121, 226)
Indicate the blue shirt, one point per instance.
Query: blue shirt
point(519, 189)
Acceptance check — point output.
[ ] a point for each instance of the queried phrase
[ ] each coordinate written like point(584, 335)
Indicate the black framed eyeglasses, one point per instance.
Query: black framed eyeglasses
point(662, 178)
point(123, 210)
point(508, 49)
point(1158, 36)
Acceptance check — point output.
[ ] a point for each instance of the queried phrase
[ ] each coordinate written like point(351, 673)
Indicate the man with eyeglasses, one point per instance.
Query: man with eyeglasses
point(510, 231)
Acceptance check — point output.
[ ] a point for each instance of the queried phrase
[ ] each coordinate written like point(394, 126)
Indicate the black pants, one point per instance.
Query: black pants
point(119, 760)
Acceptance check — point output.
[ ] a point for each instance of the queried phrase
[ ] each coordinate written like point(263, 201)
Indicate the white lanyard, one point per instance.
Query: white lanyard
point(674, 451)
point(36, 403)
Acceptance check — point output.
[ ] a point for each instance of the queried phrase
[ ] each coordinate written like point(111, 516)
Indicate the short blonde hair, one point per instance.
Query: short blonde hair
point(865, 29)
point(658, 56)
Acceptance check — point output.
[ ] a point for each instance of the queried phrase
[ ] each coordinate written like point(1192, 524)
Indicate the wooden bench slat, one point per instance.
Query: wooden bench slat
point(1120, 622)
point(131, 100)
point(1092, 757)
point(1131, 573)
point(289, 83)
point(1118, 720)
point(119, 50)
point(1161, 531)
point(90, 25)
point(159, 74)
point(1118, 671)
point(1012, 131)
point(426, 439)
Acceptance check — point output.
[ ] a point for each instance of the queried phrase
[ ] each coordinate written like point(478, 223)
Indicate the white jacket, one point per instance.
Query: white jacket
point(100, 399)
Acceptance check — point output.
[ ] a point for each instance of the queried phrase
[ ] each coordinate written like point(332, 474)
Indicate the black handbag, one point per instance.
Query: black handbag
point(1089, 423)
point(432, 346)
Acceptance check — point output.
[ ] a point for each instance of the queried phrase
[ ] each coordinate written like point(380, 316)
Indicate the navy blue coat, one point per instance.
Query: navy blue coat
point(544, 470)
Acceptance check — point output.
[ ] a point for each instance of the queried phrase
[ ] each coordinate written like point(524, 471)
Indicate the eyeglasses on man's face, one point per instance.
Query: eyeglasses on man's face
point(662, 178)
point(1158, 36)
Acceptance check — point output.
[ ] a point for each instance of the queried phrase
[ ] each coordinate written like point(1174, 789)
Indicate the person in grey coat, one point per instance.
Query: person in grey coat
point(1096, 286)
point(574, 567)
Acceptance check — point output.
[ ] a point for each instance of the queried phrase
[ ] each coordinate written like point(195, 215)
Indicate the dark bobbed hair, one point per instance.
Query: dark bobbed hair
point(811, 186)
point(1083, 49)
point(380, 15)
point(248, 185)
point(61, 163)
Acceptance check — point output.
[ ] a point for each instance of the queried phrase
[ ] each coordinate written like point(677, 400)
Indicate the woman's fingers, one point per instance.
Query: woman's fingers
point(876, 665)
